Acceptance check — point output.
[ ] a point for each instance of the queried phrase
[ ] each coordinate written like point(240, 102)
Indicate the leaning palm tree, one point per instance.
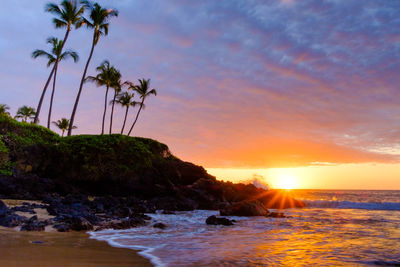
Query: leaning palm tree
point(125, 100)
point(98, 21)
point(63, 125)
point(68, 14)
point(3, 109)
point(54, 57)
point(107, 76)
point(144, 91)
point(24, 113)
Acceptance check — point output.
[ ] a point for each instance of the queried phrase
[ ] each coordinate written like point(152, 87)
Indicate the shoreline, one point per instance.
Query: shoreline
point(63, 249)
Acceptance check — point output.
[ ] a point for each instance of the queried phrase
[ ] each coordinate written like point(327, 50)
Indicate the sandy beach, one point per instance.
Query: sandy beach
point(61, 249)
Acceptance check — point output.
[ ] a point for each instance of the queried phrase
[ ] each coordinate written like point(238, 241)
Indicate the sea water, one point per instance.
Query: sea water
point(337, 227)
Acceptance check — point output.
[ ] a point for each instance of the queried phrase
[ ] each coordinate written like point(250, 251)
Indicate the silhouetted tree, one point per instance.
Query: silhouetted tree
point(54, 57)
point(68, 14)
point(98, 21)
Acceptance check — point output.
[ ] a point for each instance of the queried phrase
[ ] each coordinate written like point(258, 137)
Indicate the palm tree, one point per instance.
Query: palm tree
point(3, 109)
point(54, 57)
point(107, 76)
point(63, 125)
point(117, 86)
point(125, 100)
point(99, 23)
point(25, 113)
point(68, 14)
point(144, 91)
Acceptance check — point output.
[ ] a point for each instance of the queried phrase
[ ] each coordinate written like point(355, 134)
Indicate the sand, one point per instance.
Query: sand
point(62, 249)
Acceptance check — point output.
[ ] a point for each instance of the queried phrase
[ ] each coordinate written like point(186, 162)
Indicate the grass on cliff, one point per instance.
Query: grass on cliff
point(26, 147)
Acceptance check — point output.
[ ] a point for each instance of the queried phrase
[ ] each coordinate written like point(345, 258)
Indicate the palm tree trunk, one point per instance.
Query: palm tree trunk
point(126, 114)
point(105, 110)
point(71, 121)
point(52, 96)
point(36, 120)
point(62, 134)
point(112, 110)
point(137, 116)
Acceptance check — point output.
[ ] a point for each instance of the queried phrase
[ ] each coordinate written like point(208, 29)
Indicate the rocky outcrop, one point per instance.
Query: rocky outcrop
point(214, 220)
point(244, 208)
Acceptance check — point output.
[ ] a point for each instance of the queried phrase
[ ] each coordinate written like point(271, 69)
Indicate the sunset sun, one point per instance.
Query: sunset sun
point(286, 182)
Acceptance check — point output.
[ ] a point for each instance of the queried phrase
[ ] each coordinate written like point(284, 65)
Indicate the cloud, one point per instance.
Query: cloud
point(240, 83)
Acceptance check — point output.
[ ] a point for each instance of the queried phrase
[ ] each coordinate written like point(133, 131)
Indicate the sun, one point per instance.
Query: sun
point(286, 182)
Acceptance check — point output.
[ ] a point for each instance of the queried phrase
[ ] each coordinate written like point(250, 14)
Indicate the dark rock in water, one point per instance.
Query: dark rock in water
point(33, 225)
point(168, 212)
point(159, 225)
point(12, 220)
point(62, 227)
point(244, 208)
point(275, 215)
point(3, 209)
point(214, 220)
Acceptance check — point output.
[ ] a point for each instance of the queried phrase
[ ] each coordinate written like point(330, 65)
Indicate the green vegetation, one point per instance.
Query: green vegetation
point(24, 113)
point(63, 125)
point(26, 147)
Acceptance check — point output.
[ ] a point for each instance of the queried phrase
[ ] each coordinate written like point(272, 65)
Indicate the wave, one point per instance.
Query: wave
point(352, 205)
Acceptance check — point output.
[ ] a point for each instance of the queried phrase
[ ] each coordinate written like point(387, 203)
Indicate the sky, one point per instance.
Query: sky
point(244, 87)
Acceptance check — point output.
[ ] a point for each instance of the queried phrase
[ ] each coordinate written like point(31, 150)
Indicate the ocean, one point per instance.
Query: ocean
point(338, 227)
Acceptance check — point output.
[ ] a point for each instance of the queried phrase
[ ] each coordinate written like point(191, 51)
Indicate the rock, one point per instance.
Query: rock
point(214, 220)
point(12, 220)
point(244, 208)
point(168, 212)
point(80, 224)
point(33, 225)
point(62, 227)
point(275, 215)
point(3, 209)
point(159, 225)
point(120, 224)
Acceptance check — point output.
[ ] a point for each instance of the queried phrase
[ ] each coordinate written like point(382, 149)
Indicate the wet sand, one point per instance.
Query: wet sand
point(62, 249)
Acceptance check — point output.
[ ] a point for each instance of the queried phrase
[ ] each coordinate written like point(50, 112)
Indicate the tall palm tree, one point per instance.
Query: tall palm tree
point(25, 113)
point(107, 76)
point(54, 57)
point(63, 125)
point(3, 109)
point(117, 86)
point(68, 14)
point(98, 21)
point(125, 100)
point(144, 91)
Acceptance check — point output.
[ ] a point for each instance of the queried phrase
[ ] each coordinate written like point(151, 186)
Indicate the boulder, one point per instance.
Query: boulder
point(62, 227)
point(159, 225)
point(244, 208)
point(275, 215)
point(214, 220)
point(33, 225)
point(3, 209)
point(12, 220)
point(78, 223)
